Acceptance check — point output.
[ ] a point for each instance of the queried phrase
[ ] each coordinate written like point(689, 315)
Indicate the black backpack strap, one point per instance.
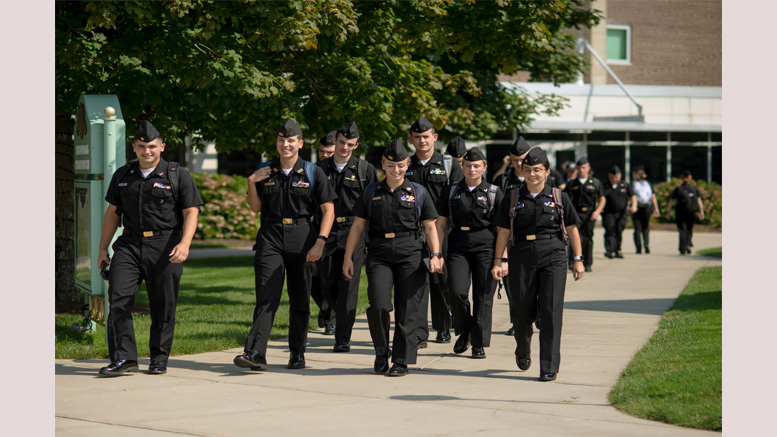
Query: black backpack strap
point(491, 198)
point(173, 174)
point(559, 201)
point(361, 172)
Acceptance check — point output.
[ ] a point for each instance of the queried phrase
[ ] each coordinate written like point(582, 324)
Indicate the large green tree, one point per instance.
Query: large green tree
point(231, 71)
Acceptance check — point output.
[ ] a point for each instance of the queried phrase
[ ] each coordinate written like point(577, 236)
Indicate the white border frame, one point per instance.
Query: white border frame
point(627, 28)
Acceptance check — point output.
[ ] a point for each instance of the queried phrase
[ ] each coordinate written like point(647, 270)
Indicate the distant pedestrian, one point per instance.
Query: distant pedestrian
point(620, 201)
point(326, 313)
point(646, 205)
point(689, 204)
point(588, 199)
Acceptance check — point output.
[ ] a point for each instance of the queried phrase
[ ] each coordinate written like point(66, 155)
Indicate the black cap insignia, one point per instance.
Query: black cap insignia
point(474, 154)
point(535, 156)
point(457, 148)
point(329, 139)
point(396, 151)
point(349, 130)
point(421, 125)
point(519, 147)
point(289, 128)
point(146, 132)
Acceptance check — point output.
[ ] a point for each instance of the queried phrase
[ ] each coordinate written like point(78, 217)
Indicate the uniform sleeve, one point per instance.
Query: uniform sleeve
point(502, 217)
point(498, 199)
point(112, 196)
point(359, 209)
point(456, 173)
point(428, 211)
point(442, 202)
point(570, 214)
point(324, 190)
point(675, 193)
point(599, 187)
point(629, 190)
point(189, 195)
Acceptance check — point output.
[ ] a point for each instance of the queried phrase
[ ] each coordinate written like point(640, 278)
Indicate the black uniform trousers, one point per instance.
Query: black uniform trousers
point(539, 269)
point(641, 220)
point(684, 221)
point(473, 259)
point(282, 247)
point(136, 259)
point(344, 292)
point(614, 223)
point(325, 314)
point(586, 228)
point(397, 263)
point(438, 296)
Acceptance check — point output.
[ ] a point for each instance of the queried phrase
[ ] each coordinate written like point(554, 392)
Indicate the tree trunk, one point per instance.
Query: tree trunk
point(64, 262)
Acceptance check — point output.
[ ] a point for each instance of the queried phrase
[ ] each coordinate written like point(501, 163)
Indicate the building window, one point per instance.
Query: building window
point(618, 44)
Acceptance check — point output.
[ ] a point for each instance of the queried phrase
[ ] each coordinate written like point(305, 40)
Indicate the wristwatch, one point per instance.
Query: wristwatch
point(504, 260)
point(437, 254)
point(322, 237)
point(578, 258)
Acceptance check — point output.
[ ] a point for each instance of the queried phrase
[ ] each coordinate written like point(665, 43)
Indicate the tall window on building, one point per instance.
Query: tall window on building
point(618, 44)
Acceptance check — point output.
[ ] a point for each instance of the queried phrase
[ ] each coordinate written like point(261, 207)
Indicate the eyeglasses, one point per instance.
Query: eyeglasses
point(535, 170)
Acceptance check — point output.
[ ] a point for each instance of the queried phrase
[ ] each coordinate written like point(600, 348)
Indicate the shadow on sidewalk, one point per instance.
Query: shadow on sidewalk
point(434, 398)
point(655, 307)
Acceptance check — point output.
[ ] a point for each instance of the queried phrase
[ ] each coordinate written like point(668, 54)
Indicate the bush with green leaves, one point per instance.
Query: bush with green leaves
point(226, 214)
point(711, 196)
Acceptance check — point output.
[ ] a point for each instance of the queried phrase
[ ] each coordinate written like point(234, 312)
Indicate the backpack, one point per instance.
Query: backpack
point(557, 199)
point(447, 162)
point(369, 194)
point(688, 198)
point(455, 187)
point(643, 191)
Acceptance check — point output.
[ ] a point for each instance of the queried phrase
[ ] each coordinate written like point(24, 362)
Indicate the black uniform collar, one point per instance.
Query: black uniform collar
point(350, 164)
point(436, 158)
point(406, 186)
point(524, 191)
point(160, 170)
point(276, 166)
point(483, 186)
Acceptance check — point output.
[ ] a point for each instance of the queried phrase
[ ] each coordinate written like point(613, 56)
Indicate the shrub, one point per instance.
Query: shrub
point(226, 214)
point(711, 196)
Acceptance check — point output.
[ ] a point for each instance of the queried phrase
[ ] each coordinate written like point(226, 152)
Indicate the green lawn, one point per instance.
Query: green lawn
point(215, 307)
point(677, 376)
point(715, 252)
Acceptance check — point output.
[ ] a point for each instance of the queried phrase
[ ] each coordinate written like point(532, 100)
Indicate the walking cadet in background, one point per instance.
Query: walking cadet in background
point(689, 204)
point(588, 199)
point(646, 204)
point(158, 204)
point(457, 149)
point(615, 216)
point(468, 207)
point(326, 313)
point(349, 176)
point(398, 213)
point(286, 193)
point(434, 171)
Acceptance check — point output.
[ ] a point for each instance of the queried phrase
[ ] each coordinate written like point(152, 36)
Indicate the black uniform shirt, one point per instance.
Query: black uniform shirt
point(686, 195)
point(513, 181)
point(617, 198)
point(556, 177)
point(536, 216)
point(469, 208)
point(289, 196)
point(584, 196)
point(432, 175)
point(395, 211)
point(347, 185)
point(148, 204)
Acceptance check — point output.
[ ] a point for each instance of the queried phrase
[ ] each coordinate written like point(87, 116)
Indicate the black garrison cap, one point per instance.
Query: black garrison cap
point(146, 132)
point(349, 130)
point(456, 148)
point(421, 125)
point(474, 154)
point(329, 139)
point(396, 151)
point(519, 147)
point(615, 169)
point(535, 156)
point(582, 161)
point(289, 128)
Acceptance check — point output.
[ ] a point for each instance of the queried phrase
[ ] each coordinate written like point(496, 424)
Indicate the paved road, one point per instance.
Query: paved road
point(608, 316)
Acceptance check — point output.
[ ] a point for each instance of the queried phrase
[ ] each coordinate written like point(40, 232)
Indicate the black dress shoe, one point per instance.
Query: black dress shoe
point(588, 268)
point(157, 368)
point(609, 254)
point(523, 362)
point(296, 361)
point(381, 363)
point(639, 251)
point(547, 376)
point(253, 360)
point(398, 370)
point(647, 249)
point(420, 344)
point(342, 346)
point(510, 331)
point(478, 352)
point(118, 367)
point(443, 336)
point(462, 344)
point(619, 254)
point(321, 323)
point(329, 329)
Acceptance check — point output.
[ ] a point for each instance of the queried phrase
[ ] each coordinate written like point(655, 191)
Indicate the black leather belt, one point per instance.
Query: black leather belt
point(340, 220)
point(392, 235)
point(290, 221)
point(152, 233)
point(535, 237)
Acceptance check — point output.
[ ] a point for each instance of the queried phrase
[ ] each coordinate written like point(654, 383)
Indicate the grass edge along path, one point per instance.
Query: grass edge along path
point(677, 376)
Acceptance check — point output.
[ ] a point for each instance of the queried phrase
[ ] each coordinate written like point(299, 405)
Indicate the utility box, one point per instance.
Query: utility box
point(100, 148)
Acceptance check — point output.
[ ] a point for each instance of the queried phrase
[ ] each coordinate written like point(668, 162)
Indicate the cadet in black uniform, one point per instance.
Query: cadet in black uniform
point(537, 260)
point(457, 148)
point(430, 169)
point(508, 181)
point(586, 193)
point(469, 206)
point(158, 204)
point(326, 314)
point(398, 212)
point(615, 217)
point(689, 204)
point(286, 194)
point(349, 177)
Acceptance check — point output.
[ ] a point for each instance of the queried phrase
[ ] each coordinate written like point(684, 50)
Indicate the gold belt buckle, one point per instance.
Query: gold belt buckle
point(287, 221)
point(531, 237)
point(464, 228)
point(341, 219)
point(585, 208)
point(148, 233)
point(391, 235)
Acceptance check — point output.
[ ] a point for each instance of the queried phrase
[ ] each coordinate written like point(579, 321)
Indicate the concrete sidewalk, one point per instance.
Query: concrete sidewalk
point(608, 316)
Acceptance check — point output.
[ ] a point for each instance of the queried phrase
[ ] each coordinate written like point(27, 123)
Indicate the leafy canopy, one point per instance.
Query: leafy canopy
point(232, 71)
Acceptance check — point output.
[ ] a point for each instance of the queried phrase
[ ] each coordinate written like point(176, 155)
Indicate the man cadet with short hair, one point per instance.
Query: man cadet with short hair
point(326, 146)
point(158, 204)
point(615, 215)
point(588, 199)
point(349, 177)
point(434, 172)
point(689, 204)
point(326, 313)
point(286, 193)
